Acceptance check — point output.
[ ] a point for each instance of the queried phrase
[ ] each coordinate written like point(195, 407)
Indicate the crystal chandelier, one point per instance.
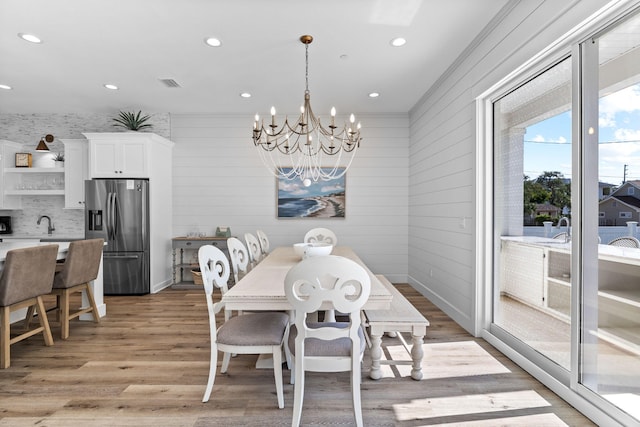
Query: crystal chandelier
point(306, 149)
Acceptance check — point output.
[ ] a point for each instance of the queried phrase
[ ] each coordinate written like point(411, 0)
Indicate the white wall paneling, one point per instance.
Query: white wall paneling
point(442, 150)
point(219, 180)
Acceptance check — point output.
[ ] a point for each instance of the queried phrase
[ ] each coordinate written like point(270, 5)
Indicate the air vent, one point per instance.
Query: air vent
point(169, 83)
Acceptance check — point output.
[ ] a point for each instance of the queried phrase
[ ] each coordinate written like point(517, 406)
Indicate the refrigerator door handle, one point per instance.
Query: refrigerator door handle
point(114, 218)
point(110, 233)
point(107, 216)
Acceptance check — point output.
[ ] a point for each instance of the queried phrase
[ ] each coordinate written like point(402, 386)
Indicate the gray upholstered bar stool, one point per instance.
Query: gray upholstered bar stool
point(27, 275)
point(74, 275)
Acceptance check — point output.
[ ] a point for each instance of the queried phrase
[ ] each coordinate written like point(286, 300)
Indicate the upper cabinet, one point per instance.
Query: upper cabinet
point(123, 154)
point(76, 171)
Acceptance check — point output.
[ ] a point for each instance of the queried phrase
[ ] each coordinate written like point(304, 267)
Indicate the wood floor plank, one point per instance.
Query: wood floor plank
point(146, 364)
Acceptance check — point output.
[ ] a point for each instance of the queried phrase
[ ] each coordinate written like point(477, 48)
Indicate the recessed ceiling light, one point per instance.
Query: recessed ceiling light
point(374, 95)
point(29, 37)
point(110, 86)
point(213, 42)
point(398, 41)
point(245, 95)
point(7, 87)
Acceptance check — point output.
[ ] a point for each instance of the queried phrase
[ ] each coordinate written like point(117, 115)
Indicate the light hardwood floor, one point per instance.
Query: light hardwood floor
point(146, 364)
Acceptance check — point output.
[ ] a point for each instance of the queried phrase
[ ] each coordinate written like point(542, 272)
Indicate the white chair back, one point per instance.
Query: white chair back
point(214, 267)
point(239, 257)
point(264, 241)
point(321, 235)
point(625, 242)
point(327, 282)
point(253, 246)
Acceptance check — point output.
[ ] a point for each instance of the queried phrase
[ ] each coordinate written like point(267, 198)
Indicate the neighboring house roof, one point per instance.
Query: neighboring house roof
point(546, 207)
point(606, 185)
point(629, 201)
point(623, 188)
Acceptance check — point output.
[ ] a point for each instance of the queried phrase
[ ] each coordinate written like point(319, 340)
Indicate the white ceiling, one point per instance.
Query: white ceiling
point(134, 43)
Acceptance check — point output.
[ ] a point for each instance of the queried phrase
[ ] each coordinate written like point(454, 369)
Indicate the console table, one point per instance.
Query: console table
point(185, 256)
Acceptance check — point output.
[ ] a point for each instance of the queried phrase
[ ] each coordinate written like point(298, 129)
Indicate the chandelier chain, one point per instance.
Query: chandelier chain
point(306, 70)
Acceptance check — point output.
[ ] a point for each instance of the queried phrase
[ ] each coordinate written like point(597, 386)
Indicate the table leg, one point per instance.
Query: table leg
point(416, 355)
point(376, 354)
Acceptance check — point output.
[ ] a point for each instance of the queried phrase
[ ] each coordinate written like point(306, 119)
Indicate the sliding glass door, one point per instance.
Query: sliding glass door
point(566, 205)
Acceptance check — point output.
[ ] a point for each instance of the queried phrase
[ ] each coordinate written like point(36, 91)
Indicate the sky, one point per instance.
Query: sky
point(548, 143)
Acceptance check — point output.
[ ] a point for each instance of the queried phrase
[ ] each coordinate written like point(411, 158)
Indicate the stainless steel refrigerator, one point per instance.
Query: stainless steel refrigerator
point(117, 210)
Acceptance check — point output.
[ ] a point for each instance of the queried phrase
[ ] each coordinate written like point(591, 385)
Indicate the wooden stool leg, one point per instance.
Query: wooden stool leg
point(5, 337)
point(64, 314)
point(92, 302)
point(44, 322)
point(58, 308)
point(27, 320)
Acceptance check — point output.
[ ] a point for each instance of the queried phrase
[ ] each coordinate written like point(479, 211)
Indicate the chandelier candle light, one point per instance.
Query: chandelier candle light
point(306, 150)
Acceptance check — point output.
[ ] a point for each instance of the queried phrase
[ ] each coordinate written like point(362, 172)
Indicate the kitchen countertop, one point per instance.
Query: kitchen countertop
point(43, 237)
point(605, 252)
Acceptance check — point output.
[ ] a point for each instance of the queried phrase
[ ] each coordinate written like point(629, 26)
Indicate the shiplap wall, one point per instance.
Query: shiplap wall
point(443, 150)
point(219, 180)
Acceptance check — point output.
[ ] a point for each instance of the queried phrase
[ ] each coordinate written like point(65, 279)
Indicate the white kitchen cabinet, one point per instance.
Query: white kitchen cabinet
point(75, 172)
point(119, 154)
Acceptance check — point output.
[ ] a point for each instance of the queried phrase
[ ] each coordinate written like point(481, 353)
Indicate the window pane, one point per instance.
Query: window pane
point(610, 336)
point(532, 205)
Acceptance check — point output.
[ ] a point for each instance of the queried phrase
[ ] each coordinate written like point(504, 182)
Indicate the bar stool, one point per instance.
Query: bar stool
point(27, 276)
point(74, 275)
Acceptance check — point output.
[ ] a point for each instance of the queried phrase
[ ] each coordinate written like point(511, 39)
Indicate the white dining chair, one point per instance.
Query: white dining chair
point(264, 242)
point(239, 258)
point(326, 346)
point(321, 235)
point(252, 333)
point(253, 246)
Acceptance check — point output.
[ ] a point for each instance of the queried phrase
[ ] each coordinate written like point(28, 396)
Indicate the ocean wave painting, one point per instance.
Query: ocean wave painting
point(321, 199)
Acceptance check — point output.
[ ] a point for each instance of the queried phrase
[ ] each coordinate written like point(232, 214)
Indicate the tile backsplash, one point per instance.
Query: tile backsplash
point(28, 129)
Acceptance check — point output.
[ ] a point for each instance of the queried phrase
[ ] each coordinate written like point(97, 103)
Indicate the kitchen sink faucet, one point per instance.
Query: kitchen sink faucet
point(50, 227)
point(566, 220)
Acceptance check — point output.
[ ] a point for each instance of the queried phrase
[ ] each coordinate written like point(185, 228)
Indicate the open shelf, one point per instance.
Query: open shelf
point(33, 170)
point(34, 192)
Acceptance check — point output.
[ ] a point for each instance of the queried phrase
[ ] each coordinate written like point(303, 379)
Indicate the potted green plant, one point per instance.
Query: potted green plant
point(58, 159)
point(132, 120)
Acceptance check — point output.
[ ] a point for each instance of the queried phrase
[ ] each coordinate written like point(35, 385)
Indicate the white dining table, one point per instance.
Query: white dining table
point(263, 287)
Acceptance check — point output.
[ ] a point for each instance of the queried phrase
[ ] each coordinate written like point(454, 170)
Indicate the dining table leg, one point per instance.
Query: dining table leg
point(376, 354)
point(416, 356)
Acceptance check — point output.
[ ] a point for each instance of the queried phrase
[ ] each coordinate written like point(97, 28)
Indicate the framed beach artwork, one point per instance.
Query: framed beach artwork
point(322, 199)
